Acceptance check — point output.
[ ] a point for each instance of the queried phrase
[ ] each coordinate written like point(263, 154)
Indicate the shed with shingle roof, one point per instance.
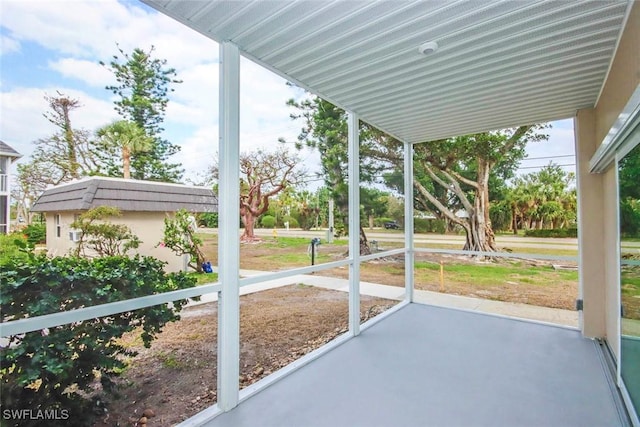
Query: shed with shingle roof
point(144, 205)
point(128, 195)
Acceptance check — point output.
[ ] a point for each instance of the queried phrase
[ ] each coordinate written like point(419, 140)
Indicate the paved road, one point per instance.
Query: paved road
point(510, 242)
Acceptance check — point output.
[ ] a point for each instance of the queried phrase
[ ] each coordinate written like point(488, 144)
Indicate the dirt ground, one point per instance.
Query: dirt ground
point(176, 377)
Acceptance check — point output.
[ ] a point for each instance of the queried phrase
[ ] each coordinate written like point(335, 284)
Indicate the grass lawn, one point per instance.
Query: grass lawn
point(505, 280)
point(489, 275)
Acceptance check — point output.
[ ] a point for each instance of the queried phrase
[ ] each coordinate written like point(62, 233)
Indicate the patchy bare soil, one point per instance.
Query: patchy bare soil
point(519, 281)
point(176, 377)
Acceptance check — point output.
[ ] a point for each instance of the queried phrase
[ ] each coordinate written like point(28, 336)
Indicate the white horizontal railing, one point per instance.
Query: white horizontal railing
point(22, 326)
point(252, 280)
point(292, 272)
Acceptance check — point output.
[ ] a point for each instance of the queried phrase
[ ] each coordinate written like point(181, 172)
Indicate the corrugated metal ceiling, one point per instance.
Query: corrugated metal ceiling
point(499, 63)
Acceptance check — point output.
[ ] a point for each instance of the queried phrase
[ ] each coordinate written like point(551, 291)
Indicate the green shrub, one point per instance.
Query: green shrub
point(58, 368)
point(12, 248)
point(339, 229)
point(36, 234)
point(629, 217)
point(180, 236)
point(552, 232)
point(428, 225)
point(208, 219)
point(501, 216)
point(293, 223)
point(421, 225)
point(101, 236)
point(267, 221)
point(438, 226)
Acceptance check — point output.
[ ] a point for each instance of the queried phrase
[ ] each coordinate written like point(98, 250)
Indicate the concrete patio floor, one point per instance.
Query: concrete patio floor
point(433, 366)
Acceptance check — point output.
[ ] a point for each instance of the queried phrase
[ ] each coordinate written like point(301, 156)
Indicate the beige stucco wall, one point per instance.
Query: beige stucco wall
point(590, 228)
point(623, 78)
point(598, 193)
point(59, 246)
point(148, 226)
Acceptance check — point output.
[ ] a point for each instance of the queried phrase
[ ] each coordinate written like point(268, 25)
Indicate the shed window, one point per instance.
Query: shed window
point(58, 226)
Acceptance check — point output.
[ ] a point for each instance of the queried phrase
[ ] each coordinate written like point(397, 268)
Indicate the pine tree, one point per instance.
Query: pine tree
point(143, 83)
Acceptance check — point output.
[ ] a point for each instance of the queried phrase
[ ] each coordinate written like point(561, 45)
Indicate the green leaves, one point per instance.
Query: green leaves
point(143, 83)
point(37, 368)
point(180, 237)
point(102, 237)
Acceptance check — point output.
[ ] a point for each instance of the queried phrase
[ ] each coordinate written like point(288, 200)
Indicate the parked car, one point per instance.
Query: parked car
point(392, 225)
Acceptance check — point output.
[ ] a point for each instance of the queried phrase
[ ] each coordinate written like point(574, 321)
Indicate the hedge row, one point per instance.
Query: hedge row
point(552, 232)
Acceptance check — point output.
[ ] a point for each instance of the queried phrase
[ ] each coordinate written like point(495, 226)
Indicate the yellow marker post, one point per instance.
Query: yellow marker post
point(441, 276)
point(275, 233)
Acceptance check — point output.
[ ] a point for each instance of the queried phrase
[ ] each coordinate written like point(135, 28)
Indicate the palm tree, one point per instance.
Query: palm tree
point(129, 137)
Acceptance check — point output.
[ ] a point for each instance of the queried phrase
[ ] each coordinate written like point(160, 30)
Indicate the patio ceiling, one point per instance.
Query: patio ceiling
point(499, 63)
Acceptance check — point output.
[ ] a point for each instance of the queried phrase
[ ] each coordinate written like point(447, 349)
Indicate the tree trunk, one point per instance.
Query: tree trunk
point(479, 233)
point(514, 220)
point(69, 139)
point(126, 162)
point(364, 243)
point(248, 221)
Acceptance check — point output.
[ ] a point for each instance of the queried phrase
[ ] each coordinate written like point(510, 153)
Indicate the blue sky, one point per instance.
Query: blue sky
point(55, 45)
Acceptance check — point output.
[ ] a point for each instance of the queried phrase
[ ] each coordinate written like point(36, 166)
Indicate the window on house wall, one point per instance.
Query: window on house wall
point(58, 226)
point(4, 174)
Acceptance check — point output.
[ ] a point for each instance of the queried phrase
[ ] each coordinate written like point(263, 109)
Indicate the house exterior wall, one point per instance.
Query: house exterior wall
point(597, 205)
point(5, 194)
point(148, 226)
point(623, 78)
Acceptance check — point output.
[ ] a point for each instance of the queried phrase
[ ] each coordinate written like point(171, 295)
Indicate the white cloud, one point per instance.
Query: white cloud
point(8, 45)
point(90, 72)
point(90, 29)
point(195, 100)
point(71, 27)
point(198, 151)
point(78, 34)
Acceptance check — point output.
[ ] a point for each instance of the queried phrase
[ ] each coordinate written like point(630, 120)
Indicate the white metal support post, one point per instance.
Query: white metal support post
point(354, 224)
point(228, 229)
point(408, 222)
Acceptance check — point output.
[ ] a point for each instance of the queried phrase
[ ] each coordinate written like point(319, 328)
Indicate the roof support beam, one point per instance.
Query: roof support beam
point(228, 240)
point(354, 223)
point(408, 222)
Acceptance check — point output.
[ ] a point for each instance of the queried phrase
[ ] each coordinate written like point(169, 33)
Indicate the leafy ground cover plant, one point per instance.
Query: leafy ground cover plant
point(68, 367)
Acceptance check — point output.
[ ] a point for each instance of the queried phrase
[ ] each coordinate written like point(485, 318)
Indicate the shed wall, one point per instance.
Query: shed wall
point(148, 226)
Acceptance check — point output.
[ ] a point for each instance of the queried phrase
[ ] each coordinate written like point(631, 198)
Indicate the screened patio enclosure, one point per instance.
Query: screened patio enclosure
point(421, 71)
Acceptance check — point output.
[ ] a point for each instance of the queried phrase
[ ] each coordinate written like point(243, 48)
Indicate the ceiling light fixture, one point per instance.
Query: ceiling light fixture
point(428, 48)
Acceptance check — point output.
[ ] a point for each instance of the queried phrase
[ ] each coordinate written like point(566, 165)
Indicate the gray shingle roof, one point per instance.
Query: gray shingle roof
point(127, 195)
point(5, 150)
